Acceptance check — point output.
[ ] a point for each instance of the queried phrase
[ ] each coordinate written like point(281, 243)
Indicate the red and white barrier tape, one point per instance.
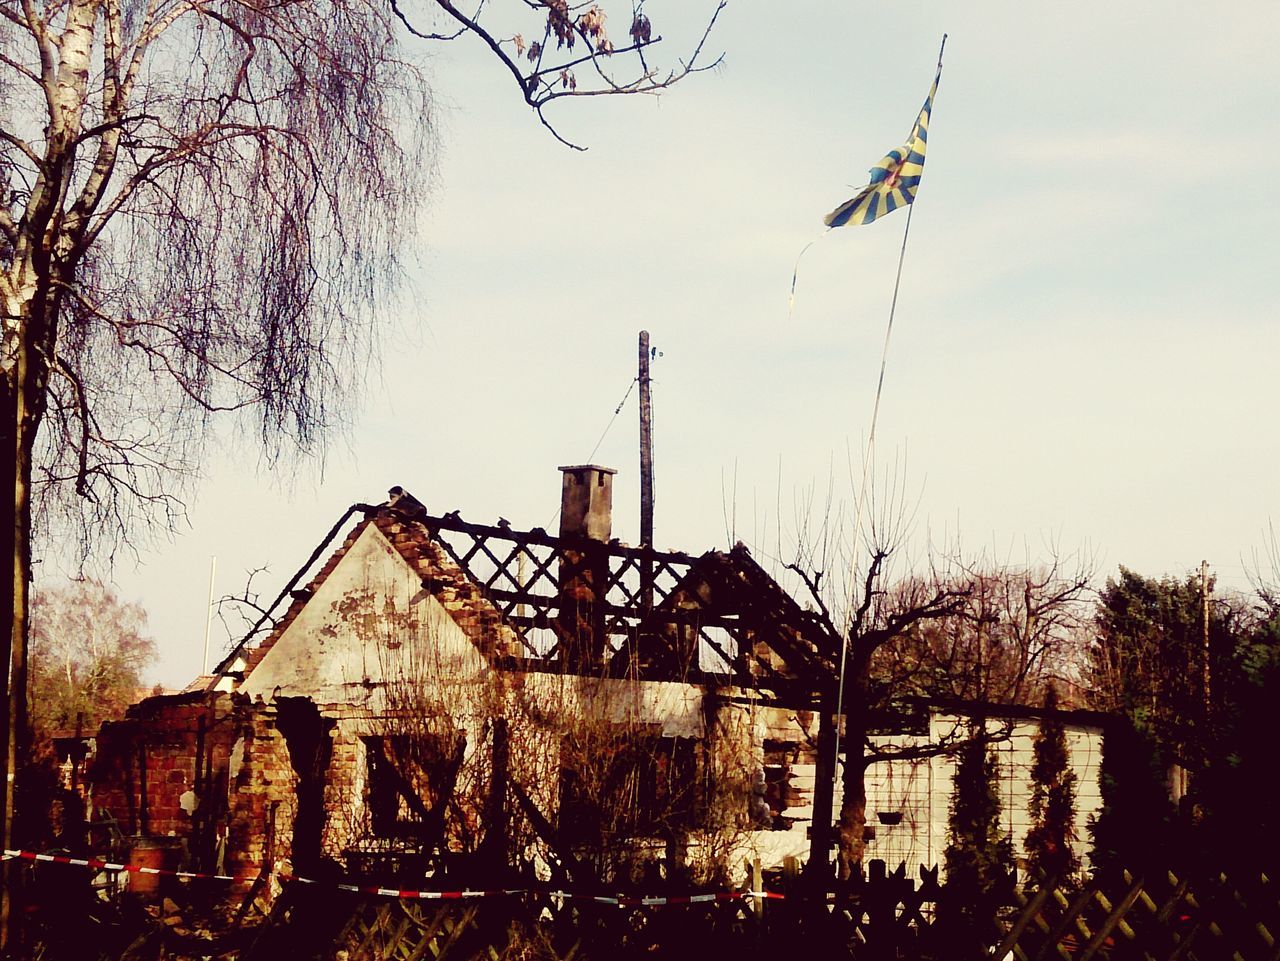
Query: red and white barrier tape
point(631, 901)
point(407, 892)
point(622, 900)
point(114, 866)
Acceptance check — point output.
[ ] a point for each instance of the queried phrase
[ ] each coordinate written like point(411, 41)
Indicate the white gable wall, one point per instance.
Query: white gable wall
point(368, 623)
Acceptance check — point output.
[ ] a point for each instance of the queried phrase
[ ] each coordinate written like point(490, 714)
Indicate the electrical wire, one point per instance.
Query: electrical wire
point(616, 411)
point(603, 434)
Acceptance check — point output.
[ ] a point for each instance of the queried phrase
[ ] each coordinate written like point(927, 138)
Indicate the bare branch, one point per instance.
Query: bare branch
point(85, 417)
point(395, 6)
point(548, 82)
point(259, 621)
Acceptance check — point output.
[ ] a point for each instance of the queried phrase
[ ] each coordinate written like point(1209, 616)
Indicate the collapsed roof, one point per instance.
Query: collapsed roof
point(579, 601)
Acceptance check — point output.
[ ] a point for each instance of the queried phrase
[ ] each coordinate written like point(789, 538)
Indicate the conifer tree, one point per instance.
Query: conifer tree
point(1053, 801)
point(979, 855)
point(1131, 830)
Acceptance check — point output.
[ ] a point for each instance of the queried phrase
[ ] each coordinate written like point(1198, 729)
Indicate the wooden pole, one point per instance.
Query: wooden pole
point(818, 870)
point(646, 445)
point(646, 471)
point(1204, 600)
point(757, 887)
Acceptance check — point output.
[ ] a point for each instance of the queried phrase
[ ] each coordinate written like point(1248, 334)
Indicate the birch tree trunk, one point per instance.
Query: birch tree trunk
point(20, 422)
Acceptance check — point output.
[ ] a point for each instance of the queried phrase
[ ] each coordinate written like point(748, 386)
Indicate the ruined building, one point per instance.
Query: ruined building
point(452, 700)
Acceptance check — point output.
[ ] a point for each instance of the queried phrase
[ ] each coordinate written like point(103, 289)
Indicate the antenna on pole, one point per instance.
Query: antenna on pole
point(208, 614)
point(646, 469)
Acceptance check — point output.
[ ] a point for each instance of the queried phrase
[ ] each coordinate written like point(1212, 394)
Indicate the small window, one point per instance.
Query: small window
point(410, 779)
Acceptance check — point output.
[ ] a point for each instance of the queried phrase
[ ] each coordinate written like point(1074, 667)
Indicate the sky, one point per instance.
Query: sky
point(1083, 344)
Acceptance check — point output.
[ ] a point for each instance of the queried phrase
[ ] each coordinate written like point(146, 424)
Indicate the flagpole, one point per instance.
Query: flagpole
point(862, 489)
point(919, 133)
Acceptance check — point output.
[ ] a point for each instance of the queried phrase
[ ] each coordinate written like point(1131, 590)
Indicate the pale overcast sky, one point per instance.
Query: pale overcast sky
point(1085, 338)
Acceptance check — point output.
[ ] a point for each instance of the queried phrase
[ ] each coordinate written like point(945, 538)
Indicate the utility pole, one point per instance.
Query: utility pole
point(646, 445)
point(1204, 600)
point(646, 470)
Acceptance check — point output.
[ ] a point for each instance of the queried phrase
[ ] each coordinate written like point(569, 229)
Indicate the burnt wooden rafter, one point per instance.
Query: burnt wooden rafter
point(638, 603)
point(769, 615)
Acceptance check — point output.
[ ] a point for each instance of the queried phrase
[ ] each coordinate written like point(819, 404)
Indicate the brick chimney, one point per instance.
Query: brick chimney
point(586, 523)
point(586, 502)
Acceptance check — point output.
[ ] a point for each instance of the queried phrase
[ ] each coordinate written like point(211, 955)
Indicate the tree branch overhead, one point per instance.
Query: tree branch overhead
point(546, 70)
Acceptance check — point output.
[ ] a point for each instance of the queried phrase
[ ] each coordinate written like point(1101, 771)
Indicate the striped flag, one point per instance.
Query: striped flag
point(895, 179)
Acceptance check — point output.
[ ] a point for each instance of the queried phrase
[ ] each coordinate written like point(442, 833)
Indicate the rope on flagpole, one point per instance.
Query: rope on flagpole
point(862, 489)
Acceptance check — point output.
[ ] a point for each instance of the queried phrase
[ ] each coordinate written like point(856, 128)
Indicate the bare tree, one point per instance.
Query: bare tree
point(870, 612)
point(1020, 628)
point(903, 628)
point(881, 619)
point(245, 616)
point(202, 205)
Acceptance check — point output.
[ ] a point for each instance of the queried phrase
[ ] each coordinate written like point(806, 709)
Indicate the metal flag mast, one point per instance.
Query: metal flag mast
point(871, 436)
point(857, 519)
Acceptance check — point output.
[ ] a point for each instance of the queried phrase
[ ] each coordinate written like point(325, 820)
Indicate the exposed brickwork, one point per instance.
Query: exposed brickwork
point(147, 761)
point(169, 745)
point(264, 791)
point(344, 792)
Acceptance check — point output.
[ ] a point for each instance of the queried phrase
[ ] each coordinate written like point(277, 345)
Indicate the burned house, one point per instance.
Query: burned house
point(446, 699)
point(449, 695)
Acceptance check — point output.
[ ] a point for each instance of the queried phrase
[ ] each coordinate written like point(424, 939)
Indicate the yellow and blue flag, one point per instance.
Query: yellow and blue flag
point(895, 179)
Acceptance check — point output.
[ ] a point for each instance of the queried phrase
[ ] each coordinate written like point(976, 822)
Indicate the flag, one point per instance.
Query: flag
point(895, 179)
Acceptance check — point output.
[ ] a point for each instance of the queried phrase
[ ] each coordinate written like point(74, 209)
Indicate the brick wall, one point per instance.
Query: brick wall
point(169, 745)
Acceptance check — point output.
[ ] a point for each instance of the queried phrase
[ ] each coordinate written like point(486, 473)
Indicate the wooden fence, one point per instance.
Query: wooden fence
point(886, 918)
point(1157, 917)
